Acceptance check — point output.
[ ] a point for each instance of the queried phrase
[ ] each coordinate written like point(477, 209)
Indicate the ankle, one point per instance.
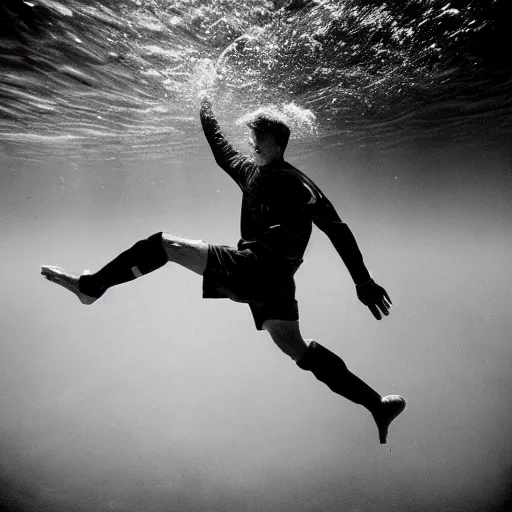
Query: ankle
point(88, 286)
point(375, 404)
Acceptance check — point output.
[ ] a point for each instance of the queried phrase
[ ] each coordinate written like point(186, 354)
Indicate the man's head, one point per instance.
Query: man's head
point(269, 138)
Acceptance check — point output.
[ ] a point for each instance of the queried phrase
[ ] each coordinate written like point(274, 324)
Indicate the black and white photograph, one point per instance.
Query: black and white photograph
point(255, 256)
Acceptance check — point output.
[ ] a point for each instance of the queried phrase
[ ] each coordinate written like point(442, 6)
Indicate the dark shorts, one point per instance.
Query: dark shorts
point(254, 277)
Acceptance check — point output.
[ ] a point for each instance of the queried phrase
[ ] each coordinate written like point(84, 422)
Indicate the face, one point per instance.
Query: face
point(265, 150)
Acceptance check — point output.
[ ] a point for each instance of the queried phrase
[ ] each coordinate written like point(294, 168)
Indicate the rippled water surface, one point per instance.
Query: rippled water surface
point(82, 73)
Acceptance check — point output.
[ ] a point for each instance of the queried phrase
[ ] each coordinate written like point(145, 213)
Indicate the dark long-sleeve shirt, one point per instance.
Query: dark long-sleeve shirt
point(280, 205)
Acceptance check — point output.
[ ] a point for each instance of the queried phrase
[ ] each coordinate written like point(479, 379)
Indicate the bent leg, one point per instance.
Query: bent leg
point(286, 335)
point(145, 257)
point(330, 369)
point(324, 364)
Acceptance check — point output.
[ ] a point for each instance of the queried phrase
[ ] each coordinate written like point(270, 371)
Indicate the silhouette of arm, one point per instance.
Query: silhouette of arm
point(343, 240)
point(225, 155)
point(368, 291)
point(325, 217)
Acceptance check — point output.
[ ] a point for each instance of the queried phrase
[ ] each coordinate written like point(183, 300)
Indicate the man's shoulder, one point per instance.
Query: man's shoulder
point(294, 173)
point(304, 181)
point(290, 169)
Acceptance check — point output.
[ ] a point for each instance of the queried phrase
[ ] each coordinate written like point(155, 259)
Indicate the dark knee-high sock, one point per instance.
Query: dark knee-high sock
point(144, 257)
point(331, 370)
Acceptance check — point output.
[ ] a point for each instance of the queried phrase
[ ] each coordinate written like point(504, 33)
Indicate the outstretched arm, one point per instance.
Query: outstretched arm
point(225, 155)
point(369, 292)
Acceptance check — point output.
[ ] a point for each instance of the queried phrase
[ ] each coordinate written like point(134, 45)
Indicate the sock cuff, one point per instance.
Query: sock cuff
point(87, 285)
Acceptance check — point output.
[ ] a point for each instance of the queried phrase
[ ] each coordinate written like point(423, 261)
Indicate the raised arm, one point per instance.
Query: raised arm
point(369, 292)
point(225, 155)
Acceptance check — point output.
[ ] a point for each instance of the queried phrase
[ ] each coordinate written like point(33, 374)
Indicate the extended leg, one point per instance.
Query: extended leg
point(142, 258)
point(332, 371)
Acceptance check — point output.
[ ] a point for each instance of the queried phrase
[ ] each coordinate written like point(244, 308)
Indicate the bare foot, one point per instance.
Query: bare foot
point(69, 281)
point(391, 406)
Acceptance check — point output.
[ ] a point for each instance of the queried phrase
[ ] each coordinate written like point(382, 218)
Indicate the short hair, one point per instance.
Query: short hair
point(266, 124)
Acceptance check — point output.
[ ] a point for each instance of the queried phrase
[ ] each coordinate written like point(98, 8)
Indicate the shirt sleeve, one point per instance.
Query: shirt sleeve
point(230, 160)
point(326, 218)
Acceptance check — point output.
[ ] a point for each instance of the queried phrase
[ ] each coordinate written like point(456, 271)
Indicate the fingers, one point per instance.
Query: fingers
point(204, 99)
point(384, 301)
point(378, 309)
point(385, 306)
point(49, 272)
point(379, 306)
point(375, 311)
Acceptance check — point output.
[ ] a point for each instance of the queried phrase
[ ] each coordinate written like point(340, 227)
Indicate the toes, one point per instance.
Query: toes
point(49, 271)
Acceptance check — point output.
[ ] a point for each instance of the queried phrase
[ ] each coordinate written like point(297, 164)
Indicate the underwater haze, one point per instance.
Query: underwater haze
point(154, 399)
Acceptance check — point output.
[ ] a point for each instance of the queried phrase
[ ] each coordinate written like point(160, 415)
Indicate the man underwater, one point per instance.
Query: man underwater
point(279, 206)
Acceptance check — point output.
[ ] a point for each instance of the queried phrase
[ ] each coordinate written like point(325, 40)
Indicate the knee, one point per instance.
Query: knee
point(156, 239)
point(293, 346)
point(152, 242)
point(149, 253)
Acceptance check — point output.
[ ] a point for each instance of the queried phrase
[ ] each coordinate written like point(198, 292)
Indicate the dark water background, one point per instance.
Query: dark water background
point(154, 399)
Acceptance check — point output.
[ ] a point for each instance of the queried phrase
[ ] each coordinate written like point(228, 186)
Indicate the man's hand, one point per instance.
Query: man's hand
point(204, 98)
point(374, 297)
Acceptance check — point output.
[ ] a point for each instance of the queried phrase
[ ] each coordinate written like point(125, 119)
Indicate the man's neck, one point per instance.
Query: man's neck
point(274, 163)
